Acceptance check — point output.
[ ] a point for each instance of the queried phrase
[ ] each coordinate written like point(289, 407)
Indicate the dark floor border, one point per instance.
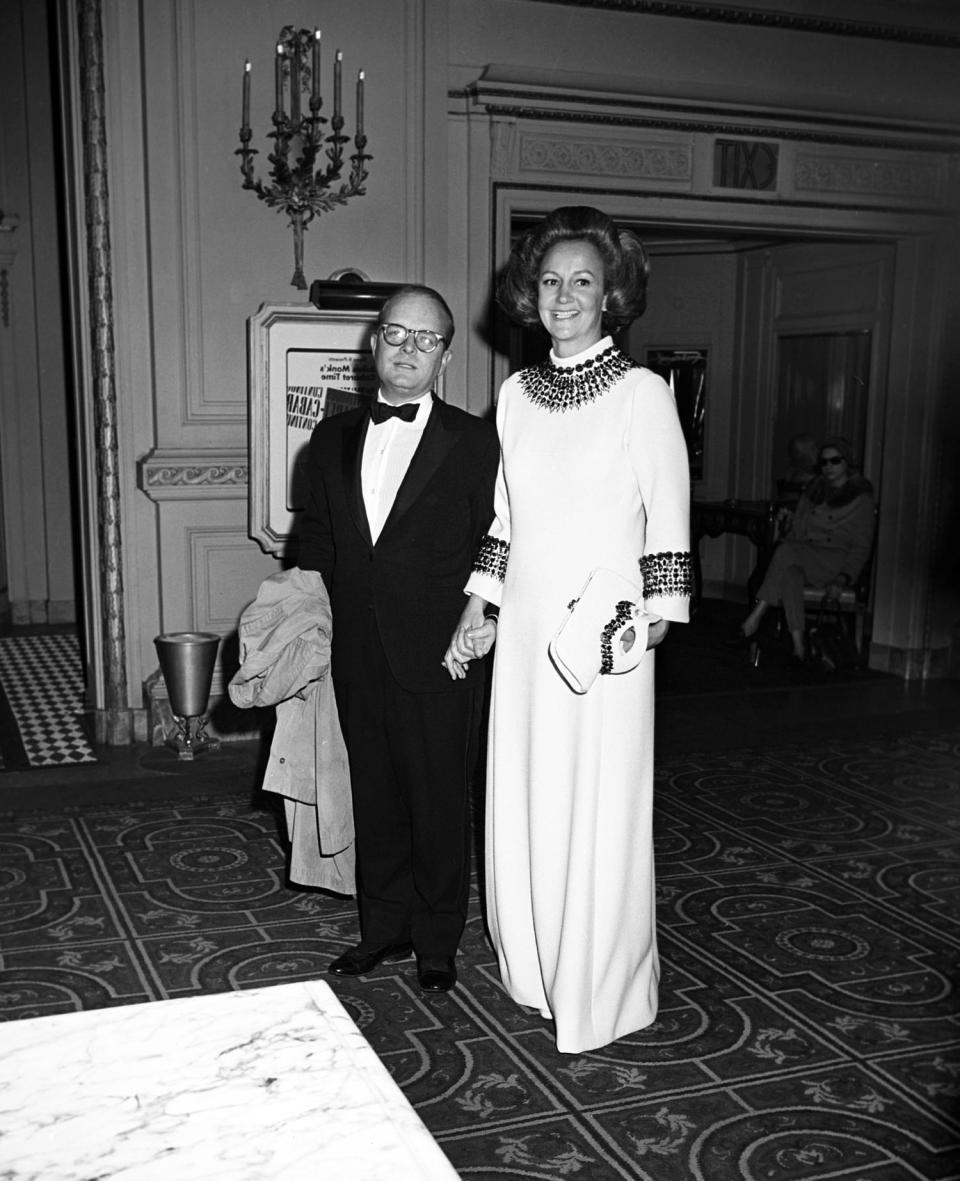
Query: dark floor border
point(12, 750)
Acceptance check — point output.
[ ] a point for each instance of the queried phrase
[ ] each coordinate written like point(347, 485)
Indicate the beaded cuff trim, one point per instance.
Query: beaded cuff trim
point(559, 388)
point(667, 574)
point(624, 612)
point(492, 557)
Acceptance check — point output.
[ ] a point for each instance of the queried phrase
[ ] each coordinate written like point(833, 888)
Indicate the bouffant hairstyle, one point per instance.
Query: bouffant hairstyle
point(421, 289)
point(625, 266)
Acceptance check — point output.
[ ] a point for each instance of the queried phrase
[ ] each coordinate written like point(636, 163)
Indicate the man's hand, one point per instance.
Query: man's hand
point(473, 638)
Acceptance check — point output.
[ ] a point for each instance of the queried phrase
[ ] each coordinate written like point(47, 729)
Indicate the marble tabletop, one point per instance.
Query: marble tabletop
point(243, 1086)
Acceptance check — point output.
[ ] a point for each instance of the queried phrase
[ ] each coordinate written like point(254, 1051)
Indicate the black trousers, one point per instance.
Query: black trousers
point(412, 758)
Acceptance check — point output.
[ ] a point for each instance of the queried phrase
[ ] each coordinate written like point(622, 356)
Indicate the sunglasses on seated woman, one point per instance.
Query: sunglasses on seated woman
point(830, 460)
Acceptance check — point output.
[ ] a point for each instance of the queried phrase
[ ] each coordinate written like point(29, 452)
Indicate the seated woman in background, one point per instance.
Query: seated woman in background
point(826, 543)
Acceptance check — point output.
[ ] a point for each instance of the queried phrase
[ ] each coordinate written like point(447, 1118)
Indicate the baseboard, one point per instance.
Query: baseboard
point(912, 664)
point(223, 719)
point(61, 611)
point(120, 727)
point(25, 612)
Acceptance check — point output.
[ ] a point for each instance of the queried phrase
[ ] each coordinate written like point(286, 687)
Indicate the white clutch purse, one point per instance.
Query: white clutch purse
point(589, 641)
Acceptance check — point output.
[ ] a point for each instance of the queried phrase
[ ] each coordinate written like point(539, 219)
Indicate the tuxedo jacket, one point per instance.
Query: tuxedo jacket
point(412, 579)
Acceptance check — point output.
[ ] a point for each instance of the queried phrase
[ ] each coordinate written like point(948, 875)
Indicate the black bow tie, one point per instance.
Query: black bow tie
point(381, 411)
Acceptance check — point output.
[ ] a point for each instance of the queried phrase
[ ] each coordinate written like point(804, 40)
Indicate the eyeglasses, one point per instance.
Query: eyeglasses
point(397, 335)
point(831, 460)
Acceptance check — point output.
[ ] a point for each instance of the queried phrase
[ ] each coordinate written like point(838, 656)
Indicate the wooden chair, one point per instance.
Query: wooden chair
point(855, 605)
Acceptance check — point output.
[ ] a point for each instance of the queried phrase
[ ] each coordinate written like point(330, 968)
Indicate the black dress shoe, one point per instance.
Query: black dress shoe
point(356, 962)
point(436, 973)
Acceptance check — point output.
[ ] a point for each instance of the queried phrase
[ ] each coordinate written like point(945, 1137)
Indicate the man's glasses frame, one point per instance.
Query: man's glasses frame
point(831, 461)
point(397, 336)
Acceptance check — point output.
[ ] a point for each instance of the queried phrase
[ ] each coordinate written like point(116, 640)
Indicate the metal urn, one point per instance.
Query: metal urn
point(187, 660)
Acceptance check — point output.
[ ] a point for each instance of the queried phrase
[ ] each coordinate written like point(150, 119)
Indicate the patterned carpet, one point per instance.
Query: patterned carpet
point(809, 910)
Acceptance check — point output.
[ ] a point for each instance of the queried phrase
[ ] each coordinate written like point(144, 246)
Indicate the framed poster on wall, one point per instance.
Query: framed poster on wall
point(306, 363)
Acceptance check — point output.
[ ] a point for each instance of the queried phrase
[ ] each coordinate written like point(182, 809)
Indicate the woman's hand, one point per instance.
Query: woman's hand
point(657, 633)
point(473, 638)
point(783, 522)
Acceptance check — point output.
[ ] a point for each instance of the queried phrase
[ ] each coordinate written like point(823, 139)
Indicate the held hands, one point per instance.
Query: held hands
point(473, 639)
point(475, 635)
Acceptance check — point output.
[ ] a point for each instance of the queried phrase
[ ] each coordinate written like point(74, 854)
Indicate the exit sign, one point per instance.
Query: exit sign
point(745, 164)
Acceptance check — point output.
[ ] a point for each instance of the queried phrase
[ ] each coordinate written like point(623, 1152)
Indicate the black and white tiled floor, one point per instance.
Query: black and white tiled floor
point(42, 678)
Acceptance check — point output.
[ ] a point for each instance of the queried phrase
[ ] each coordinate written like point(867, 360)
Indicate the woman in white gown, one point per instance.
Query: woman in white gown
point(593, 475)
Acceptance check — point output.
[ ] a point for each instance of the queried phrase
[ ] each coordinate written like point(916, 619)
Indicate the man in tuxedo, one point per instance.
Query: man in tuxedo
point(399, 496)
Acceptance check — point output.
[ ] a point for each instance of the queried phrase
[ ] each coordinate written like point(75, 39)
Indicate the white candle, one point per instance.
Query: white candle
point(295, 82)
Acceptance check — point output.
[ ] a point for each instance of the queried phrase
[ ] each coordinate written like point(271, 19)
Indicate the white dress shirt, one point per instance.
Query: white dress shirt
point(387, 451)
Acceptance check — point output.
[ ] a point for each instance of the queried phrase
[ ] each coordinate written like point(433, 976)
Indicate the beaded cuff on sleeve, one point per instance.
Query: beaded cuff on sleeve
point(667, 574)
point(492, 557)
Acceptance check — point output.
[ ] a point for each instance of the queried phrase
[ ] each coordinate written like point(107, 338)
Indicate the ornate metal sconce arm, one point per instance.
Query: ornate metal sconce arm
point(301, 184)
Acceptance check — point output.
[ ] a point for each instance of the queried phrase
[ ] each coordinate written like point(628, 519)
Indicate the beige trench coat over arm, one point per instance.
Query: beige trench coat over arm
point(285, 662)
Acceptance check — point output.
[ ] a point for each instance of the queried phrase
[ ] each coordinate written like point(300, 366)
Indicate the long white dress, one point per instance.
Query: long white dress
point(589, 480)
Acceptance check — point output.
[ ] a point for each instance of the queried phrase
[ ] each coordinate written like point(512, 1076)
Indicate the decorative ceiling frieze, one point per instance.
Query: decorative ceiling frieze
point(530, 102)
point(545, 136)
point(916, 180)
point(544, 153)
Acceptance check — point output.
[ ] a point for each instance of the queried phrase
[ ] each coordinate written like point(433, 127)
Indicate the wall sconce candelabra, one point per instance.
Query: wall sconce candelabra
point(302, 183)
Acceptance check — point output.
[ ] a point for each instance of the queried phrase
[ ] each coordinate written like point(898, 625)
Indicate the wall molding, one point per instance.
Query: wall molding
point(795, 22)
point(578, 131)
point(194, 475)
point(213, 558)
point(552, 153)
point(616, 102)
point(912, 180)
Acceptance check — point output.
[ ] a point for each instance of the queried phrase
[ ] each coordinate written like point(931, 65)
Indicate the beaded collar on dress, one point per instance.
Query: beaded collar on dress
point(559, 387)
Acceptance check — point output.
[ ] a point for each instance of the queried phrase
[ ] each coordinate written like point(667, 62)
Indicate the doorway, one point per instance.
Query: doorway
point(823, 388)
point(37, 425)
